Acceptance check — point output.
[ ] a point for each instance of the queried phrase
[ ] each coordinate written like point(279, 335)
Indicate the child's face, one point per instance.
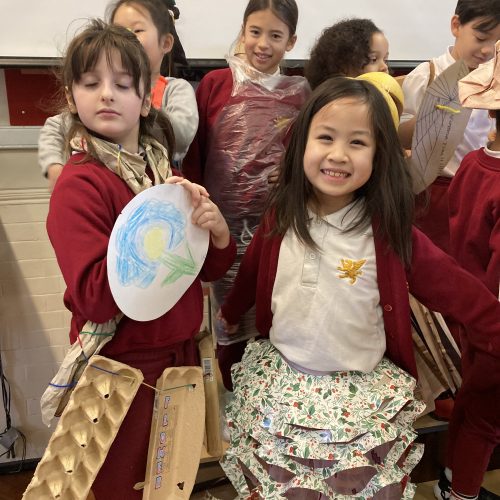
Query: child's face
point(379, 53)
point(266, 38)
point(107, 103)
point(473, 46)
point(339, 153)
point(138, 20)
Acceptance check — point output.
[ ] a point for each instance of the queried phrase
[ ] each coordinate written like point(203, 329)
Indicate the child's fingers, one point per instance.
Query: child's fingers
point(174, 179)
point(200, 189)
point(195, 190)
point(272, 178)
point(205, 213)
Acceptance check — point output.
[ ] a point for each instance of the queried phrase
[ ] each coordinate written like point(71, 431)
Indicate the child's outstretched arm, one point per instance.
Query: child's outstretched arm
point(437, 281)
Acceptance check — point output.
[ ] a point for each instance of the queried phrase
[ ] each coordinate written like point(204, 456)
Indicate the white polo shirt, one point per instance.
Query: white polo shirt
point(326, 304)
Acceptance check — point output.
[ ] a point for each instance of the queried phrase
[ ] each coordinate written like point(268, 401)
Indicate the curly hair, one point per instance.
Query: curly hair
point(343, 49)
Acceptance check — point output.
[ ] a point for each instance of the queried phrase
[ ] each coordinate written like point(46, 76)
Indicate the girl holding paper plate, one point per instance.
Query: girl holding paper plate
point(106, 78)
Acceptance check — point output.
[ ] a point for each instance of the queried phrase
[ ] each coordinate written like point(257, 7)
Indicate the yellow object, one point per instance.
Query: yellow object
point(154, 243)
point(351, 269)
point(447, 108)
point(390, 89)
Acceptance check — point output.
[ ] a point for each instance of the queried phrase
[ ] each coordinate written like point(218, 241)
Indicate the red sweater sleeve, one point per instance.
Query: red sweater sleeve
point(212, 94)
point(437, 281)
point(254, 282)
point(218, 261)
point(80, 220)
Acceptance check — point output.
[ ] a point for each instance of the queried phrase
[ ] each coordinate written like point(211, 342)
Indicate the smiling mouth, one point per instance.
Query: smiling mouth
point(335, 173)
point(263, 57)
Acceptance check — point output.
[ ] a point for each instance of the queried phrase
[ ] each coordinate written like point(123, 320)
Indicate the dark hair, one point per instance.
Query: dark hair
point(343, 49)
point(286, 10)
point(83, 54)
point(159, 10)
point(388, 196)
point(487, 12)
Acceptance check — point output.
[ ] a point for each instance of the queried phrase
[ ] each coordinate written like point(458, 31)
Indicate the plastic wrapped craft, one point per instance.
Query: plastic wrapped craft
point(245, 145)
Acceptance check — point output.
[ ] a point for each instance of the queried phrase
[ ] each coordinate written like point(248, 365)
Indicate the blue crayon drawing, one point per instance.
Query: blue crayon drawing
point(147, 240)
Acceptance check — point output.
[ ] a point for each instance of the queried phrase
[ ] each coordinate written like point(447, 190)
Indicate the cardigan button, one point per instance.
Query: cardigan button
point(388, 308)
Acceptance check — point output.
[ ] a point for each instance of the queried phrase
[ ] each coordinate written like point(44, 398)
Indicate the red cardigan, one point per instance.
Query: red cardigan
point(435, 279)
point(474, 208)
point(84, 206)
point(212, 94)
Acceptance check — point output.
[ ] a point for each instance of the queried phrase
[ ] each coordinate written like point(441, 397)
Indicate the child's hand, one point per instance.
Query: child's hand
point(195, 190)
point(208, 216)
point(273, 175)
point(223, 326)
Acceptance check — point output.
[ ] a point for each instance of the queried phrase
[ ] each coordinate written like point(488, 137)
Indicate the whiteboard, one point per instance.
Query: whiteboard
point(416, 29)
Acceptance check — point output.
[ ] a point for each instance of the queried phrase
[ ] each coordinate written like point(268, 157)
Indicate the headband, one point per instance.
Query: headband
point(390, 89)
point(481, 87)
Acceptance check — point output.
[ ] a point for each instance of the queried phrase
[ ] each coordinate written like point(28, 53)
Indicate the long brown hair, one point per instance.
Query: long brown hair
point(83, 54)
point(388, 196)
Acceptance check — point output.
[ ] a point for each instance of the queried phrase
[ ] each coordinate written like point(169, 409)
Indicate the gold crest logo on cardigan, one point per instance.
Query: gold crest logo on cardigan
point(351, 269)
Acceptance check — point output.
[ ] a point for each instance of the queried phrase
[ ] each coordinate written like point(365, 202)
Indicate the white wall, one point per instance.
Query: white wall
point(33, 319)
point(416, 29)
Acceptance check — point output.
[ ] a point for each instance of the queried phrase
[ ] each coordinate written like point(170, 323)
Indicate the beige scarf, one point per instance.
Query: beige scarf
point(131, 167)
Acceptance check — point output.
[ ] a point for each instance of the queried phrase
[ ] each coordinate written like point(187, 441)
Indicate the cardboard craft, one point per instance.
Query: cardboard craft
point(85, 431)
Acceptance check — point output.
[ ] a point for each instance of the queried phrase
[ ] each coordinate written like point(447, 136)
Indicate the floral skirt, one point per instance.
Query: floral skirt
point(299, 436)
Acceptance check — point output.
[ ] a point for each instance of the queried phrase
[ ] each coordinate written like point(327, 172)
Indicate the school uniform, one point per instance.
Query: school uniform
point(90, 197)
point(434, 219)
point(245, 119)
point(474, 205)
point(323, 346)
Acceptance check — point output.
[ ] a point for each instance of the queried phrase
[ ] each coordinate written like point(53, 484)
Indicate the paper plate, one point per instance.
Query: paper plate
point(154, 252)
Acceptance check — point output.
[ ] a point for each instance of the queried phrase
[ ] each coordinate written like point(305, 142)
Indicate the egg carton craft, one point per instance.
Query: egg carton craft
point(85, 431)
point(177, 429)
